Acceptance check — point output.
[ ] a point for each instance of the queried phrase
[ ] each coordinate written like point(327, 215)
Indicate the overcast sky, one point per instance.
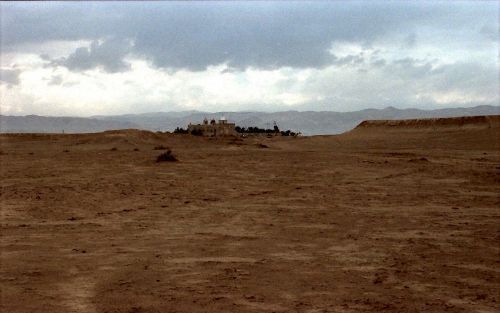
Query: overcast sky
point(87, 58)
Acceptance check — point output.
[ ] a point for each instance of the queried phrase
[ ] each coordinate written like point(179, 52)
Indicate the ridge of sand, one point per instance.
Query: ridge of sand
point(433, 124)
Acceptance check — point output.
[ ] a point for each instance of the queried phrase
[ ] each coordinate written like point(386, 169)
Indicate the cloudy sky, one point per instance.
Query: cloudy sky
point(87, 58)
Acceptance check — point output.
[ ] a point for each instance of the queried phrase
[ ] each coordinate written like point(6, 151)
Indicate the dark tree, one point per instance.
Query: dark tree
point(197, 132)
point(180, 130)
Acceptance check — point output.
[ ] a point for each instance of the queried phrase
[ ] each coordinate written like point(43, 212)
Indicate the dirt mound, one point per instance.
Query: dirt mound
point(127, 137)
point(122, 139)
point(131, 133)
point(471, 132)
point(433, 124)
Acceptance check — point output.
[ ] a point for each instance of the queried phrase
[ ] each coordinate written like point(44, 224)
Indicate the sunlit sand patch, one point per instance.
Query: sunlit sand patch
point(77, 295)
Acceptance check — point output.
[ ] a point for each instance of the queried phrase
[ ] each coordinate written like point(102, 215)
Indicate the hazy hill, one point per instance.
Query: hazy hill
point(308, 122)
point(43, 124)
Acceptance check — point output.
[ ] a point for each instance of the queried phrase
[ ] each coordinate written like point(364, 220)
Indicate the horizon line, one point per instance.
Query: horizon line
point(265, 112)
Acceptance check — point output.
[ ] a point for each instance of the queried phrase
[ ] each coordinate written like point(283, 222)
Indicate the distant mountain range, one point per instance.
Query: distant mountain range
point(44, 124)
point(308, 122)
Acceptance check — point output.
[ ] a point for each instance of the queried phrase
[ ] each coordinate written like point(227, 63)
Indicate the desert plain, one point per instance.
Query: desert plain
point(394, 216)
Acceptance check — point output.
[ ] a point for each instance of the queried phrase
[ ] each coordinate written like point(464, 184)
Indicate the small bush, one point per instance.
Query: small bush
point(160, 147)
point(166, 157)
point(114, 149)
point(288, 133)
point(180, 131)
point(136, 149)
point(66, 150)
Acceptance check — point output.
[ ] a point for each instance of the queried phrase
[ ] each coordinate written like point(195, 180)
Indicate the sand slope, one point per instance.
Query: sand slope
point(374, 220)
point(432, 124)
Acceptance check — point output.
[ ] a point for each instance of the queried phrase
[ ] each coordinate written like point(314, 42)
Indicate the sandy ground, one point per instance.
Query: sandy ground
point(376, 220)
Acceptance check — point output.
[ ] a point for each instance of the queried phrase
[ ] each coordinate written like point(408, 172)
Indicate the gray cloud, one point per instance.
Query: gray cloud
point(107, 55)
point(56, 80)
point(369, 54)
point(9, 77)
point(378, 62)
point(406, 82)
point(466, 77)
point(490, 32)
point(197, 35)
point(410, 40)
point(352, 59)
point(411, 68)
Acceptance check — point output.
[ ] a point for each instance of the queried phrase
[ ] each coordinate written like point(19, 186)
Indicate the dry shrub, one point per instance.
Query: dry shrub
point(114, 149)
point(166, 157)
